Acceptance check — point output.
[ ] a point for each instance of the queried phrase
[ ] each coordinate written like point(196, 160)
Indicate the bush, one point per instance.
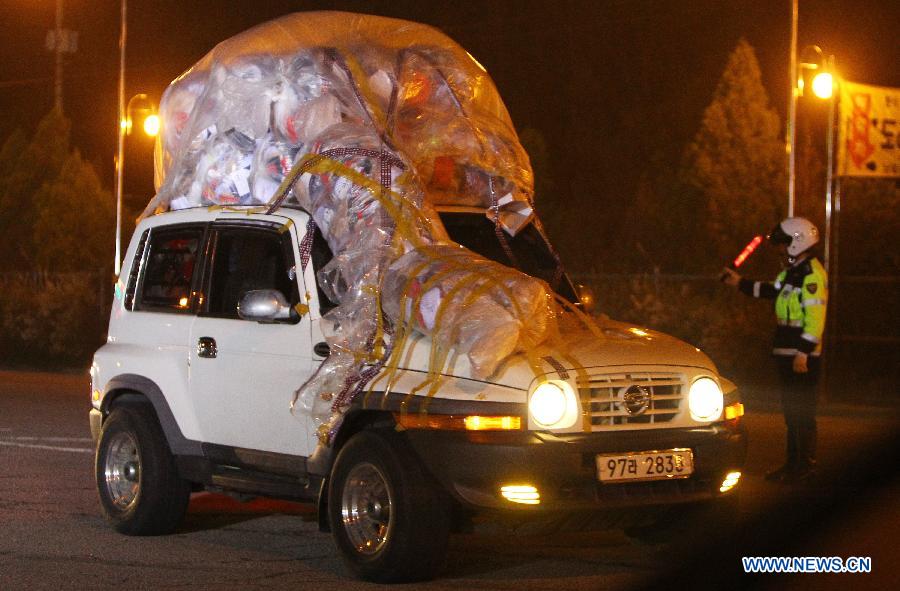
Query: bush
point(52, 320)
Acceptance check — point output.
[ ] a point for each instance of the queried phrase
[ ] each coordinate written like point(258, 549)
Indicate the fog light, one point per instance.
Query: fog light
point(524, 494)
point(731, 480)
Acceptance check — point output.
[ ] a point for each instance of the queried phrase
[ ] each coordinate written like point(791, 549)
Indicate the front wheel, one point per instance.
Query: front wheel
point(140, 490)
point(390, 522)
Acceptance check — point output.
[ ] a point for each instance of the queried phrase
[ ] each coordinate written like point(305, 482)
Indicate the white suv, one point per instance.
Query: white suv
point(216, 323)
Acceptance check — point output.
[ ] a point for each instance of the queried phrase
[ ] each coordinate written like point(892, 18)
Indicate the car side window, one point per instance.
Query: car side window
point(169, 270)
point(246, 259)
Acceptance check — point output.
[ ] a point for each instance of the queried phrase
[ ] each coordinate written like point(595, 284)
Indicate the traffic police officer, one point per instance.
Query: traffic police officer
point(800, 294)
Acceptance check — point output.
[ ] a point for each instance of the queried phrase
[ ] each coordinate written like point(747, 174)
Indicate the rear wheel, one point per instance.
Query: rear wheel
point(137, 480)
point(389, 521)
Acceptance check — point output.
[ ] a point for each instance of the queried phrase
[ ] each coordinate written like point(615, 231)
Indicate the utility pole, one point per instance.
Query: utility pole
point(792, 111)
point(57, 86)
point(120, 128)
point(60, 41)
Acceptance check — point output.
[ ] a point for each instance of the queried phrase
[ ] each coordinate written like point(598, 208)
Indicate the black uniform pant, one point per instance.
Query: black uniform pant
point(798, 403)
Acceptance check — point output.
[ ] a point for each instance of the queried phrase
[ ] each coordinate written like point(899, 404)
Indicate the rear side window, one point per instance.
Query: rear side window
point(247, 259)
point(169, 270)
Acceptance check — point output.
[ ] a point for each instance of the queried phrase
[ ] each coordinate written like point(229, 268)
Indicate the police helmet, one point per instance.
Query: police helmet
point(798, 234)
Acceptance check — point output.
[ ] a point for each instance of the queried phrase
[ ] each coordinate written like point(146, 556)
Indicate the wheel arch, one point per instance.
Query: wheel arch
point(134, 387)
point(322, 460)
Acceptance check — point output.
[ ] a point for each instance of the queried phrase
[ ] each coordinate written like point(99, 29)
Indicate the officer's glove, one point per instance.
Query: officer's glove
point(800, 365)
point(730, 277)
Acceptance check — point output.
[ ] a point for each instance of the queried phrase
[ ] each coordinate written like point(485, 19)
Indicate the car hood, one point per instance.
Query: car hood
point(613, 344)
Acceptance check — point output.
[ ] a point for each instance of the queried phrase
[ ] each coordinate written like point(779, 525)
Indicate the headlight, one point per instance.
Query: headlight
point(553, 405)
point(705, 400)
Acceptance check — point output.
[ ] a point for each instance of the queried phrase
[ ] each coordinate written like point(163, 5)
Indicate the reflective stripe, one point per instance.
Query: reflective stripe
point(794, 323)
point(811, 338)
point(756, 286)
point(778, 285)
point(785, 351)
point(813, 302)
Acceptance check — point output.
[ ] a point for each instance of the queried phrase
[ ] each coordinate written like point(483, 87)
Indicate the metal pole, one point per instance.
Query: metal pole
point(833, 276)
point(58, 49)
point(828, 354)
point(829, 171)
point(120, 153)
point(792, 110)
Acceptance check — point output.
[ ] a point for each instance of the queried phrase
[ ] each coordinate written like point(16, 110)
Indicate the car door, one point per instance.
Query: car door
point(243, 373)
point(159, 300)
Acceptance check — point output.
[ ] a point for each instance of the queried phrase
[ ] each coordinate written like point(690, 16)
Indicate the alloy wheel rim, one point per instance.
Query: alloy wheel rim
point(366, 505)
point(122, 470)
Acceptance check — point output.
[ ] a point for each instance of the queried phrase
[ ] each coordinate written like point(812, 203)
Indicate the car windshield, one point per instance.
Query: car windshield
point(476, 232)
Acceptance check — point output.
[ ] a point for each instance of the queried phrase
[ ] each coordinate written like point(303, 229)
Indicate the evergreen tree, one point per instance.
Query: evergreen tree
point(737, 158)
point(54, 214)
point(74, 220)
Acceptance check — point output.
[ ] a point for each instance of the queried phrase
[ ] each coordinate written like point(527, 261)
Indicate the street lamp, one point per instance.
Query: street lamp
point(823, 85)
point(139, 103)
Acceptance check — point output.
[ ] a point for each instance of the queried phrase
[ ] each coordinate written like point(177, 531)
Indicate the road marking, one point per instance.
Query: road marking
point(83, 450)
point(23, 438)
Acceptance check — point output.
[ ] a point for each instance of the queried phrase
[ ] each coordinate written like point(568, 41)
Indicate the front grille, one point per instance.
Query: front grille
point(606, 393)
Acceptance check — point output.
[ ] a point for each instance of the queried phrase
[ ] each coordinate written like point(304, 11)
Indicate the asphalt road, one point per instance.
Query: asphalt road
point(52, 535)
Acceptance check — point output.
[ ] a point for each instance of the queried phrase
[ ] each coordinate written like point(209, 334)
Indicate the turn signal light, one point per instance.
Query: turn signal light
point(734, 411)
point(478, 423)
point(458, 423)
point(524, 494)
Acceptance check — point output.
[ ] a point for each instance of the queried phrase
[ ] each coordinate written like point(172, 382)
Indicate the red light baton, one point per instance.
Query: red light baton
point(748, 250)
point(745, 254)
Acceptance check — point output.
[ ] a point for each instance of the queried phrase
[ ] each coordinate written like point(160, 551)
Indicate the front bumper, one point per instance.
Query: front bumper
point(96, 420)
point(472, 466)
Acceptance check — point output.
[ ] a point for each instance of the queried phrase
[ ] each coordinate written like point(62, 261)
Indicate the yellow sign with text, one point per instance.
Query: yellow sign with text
point(868, 143)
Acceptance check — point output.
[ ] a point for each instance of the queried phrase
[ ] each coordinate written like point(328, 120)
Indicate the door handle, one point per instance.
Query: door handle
point(206, 348)
point(322, 349)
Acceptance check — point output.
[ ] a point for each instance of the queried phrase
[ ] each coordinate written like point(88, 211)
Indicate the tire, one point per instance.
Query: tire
point(140, 491)
point(389, 521)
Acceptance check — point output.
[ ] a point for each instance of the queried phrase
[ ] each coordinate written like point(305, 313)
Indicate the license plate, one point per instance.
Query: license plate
point(646, 465)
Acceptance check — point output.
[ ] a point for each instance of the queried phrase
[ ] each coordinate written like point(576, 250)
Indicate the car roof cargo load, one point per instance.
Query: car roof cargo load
point(236, 121)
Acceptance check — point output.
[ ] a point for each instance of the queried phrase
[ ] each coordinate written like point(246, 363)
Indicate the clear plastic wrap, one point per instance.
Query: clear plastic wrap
point(467, 303)
point(367, 123)
point(294, 77)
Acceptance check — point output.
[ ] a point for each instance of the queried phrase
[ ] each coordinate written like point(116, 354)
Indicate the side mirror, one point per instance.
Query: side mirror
point(264, 305)
point(586, 297)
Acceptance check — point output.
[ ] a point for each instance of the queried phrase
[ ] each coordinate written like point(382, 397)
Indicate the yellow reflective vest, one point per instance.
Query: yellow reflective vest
point(801, 301)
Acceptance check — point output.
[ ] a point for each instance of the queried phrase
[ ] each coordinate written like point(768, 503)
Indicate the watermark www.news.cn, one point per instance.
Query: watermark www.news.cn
point(807, 564)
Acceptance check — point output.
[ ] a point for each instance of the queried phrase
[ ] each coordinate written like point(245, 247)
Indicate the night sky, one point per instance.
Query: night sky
point(611, 85)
